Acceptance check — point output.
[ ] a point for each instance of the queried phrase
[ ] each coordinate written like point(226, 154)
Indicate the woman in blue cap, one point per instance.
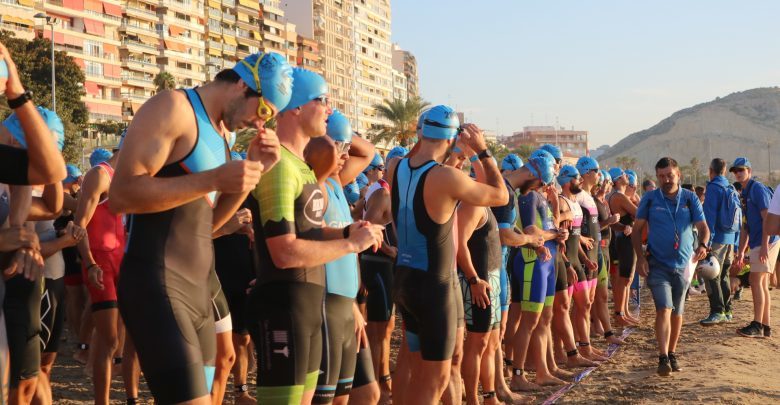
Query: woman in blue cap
point(98, 156)
point(623, 252)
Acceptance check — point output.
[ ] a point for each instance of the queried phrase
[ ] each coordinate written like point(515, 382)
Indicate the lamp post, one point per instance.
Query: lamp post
point(50, 21)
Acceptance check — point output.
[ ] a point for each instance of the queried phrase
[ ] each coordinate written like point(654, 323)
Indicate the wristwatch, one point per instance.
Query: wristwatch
point(473, 280)
point(704, 245)
point(19, 101)
point(485, 154)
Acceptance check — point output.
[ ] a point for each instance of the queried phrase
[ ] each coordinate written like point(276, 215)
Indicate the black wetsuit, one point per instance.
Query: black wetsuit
point(485, 250)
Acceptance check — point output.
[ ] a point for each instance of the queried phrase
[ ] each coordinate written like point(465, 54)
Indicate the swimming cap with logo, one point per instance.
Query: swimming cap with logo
point(73, 174)
point(398, 151)
point(567, 174)
point(441, 122)
point(615, 173)
point(553, 150)
point(511, 162)
point(269, 74)
point(542, 168)
point(586, 164)
point(307, 86)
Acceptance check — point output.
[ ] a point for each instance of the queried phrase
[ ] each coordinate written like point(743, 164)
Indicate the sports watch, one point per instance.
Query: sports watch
point(485, 154)
point(19, 101)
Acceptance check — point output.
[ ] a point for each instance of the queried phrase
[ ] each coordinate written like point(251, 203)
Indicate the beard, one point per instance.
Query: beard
point(529, 185)
point(575, 189)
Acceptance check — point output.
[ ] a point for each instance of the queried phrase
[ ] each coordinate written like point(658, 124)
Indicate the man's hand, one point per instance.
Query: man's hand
point(563, 234)
point(238, 221)
point(18, 237)
point(701, 253)
point(572, 274)
point(587, 242)
point(543, 253)
point(13, 86)
point(95, 274)
point(238, 176)
point(479, 293)
point(738, 263)
point(360, 328)
point(73, 233)
point(366, 235)
point(613, 219)
point(26, 262)
point(473, 137)
point(642, 267)
point(627, 230)
point(264, 148)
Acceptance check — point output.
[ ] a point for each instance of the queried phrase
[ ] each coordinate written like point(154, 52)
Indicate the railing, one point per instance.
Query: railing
point(215, 13)
point(229, 18)
point(102, 77)
point(137, 78)
point(140, 10)
point(135, 97)
point(126, 25)
point(139, 62)
point(129, 42)
point(104, 117)
point(231, 3)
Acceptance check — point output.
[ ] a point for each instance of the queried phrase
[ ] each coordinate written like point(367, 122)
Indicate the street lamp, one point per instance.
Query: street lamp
point(50, 21)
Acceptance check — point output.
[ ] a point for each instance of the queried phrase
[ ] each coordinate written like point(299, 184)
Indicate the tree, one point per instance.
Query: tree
point(109, 127)
point(164, 81)
point(33, 60)
point(498, 150)
point(403, 117)
point(524, 151)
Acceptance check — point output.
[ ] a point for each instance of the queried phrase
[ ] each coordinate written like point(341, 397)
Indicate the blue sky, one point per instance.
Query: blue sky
point(609, 67)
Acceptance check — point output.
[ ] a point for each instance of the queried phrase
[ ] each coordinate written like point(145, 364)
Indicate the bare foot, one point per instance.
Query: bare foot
point(509, 397)
point(562, 374)
point(549, 381)
point(625, 321)
point(597, 352)
point(245, 399)
point(615, 340)
point(81, 356)
point(579, 361)
point(522, 384)
point(594, 357)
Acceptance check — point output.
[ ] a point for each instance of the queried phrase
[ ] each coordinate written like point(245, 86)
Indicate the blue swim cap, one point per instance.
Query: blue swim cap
point(352, 192)
point(421, 120)
point(375, 162)
point(398, 151)
point(632, 177)
point(99, 156)
point(553, 150)
point(567, 174)
point(441, 122)
point(361, 181)
point(541, 153)
point(243, 155)
point(235, 156)
point(307, 86)
point(605, 176)
point(273, 77)
point(3, 69)
point(51, 119)
point(542, 168)
point(615, 172)
point(73, 174)
point(511, 162)
point(339, 128)
point(586, 164)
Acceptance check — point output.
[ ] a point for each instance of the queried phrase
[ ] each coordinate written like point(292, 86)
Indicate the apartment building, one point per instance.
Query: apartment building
point(374, 60)
point(405, 62)
point(17, 16)
point(572, 143)
point(308, 54)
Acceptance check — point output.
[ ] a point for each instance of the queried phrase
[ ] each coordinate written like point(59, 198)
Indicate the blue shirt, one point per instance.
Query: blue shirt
point(341, 275)
point(713, 204)
point(667, 217)
point(756, 196)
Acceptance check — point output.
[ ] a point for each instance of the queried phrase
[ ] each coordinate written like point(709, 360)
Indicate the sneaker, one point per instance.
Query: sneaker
point(729, 317)
point(693, 291)
point(752, 330)
point(664, 368)
point(738, 294)
point(767, 331)
point(713, 319)
point(673, 362)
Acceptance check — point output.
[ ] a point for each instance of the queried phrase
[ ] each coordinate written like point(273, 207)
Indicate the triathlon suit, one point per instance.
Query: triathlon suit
point(106, 234)
point(606, 237)
point(423, 289)
point(70, 255)
point(339, 343)
point(573, 250)
point(52, 299)
point(623, 253)
point(222, 320)
point(283, 313)
point(377, 270)
point(163, 291)
point(4, 352)
point(506, 216)
point(485, 250)
point(591, 229)
point(235, 268)
point(533, 280)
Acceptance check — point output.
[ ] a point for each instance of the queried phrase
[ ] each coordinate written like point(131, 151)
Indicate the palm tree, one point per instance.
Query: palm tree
point(403, 117)
point(164, 81)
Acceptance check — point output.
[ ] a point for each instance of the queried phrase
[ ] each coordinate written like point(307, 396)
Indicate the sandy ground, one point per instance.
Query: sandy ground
point(718, 366)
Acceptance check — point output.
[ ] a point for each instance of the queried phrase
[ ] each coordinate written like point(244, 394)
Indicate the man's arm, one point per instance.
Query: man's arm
point(378, 212)
point(511, 238)
point(49, 205)
point(360, 154)
point(456, 184)
point(468, 219)
point(711, 208)
point(636, 237)
point(96, 182)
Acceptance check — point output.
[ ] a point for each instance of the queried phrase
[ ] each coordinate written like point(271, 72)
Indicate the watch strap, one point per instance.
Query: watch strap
point(20, 101)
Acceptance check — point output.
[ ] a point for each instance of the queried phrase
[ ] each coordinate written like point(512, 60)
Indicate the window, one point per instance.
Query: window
point(93, 48)
point(93, 68)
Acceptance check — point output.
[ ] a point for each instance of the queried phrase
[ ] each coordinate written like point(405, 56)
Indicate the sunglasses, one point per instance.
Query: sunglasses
point(342, 147)
point(380, 168)
point(264, 111)
point(739, 169)
point(593, 171)
point(322, 100)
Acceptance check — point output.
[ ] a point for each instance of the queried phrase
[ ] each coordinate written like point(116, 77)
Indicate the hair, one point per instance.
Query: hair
point(647, 183)
point(699, 190)
point(230, 76)
point(666, 162)
point(718, 166)
point(687, 186)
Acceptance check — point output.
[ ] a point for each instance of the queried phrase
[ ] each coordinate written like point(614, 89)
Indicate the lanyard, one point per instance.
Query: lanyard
point(674, 221)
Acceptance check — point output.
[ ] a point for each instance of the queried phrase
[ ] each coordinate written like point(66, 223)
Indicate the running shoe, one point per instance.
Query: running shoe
point(752, 330)
point(713, 319)
point(738, 294)
point(729, 317)
point(673, 362)
point(767, 331)
point(664, 368)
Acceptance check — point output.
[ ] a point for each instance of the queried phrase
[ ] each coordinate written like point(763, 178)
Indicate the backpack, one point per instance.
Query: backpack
point(729, 218)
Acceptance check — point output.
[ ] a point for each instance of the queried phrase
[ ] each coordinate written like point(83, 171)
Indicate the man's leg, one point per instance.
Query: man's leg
point(663, 330)
point(241, 367)
point(403, 370)
point(43, 390)
point(226, 357)
point(106, 342)
point(528, 324)
point(765, 315)
point(562, 327)
point(757, 288)
point(674, 331)
point(131, 370)
point(379, 334)
point(541, 338)
point(512, 325)
point(473, 350)
point(453, 391)
point(487, 372)
point(430, 379)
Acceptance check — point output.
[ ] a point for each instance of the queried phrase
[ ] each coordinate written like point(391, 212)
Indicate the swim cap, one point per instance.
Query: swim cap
point(511, 162)
point(375, 162)
point(615, 172)
point(361, 181)
point(73, 174)
point(542, 168)
point(339, 128)
point(631, 177)
point(235, 156)
point(421, 120)
point(352, 192)
point(269, 74)
point(553, 150)
point(307, 86)
point(99, 156)
point(541, 153)
point(586, 164)
point(3, 70)
point(243, 155)
point(567, 174)
point(605, 176)
point(398, 151)
point(441, 122)
point(51, 119)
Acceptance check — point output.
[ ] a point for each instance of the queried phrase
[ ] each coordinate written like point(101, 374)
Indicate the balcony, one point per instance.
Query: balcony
point(230, 3)
point(229, 18)
point(194, 26)
point(137, 98)
point(139, 45)
point(139, 81)
point(102, 79)
point(215, 30)
point(140, 65)
point(189, 7)
point(143, 29)
point(138, 12)
point(213, 12)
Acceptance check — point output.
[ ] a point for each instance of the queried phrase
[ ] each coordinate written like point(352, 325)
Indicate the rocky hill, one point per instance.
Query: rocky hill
point(741, 124)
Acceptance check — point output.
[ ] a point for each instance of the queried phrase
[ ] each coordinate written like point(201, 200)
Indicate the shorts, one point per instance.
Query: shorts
point(22, 307)
point(624, 253)
point(52, 314)
point(482, 320)
point(428, 306)
point(377, 275)
point(503, 295)
point(109, 262)
point(533, 281)
point(769, 267)
point(339, 347)
point(219, 304)
point(668, 287)
point(460, 310)
point(603, 276)
point(72, 266)
point(364, 369)
point(285, 322)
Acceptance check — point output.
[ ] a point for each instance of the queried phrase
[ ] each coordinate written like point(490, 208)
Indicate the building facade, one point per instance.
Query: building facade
point(572, 143)
point(373, 60)
point(405, 62)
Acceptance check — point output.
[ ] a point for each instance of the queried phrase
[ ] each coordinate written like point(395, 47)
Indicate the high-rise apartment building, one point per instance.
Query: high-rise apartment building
point(181, 30)
point(404, 61)
point(17, 16)
point(308, 54)
point(138, 52)
point(374, 60)
point(400, 90)
point(279, 34)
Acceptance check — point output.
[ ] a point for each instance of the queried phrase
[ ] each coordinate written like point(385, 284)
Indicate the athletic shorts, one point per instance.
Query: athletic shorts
point(460, 309)
point(482, 320)
point(109, 262)
point(72, 266)
point(769, 267)
point(339, 348)
point(377, 275)
point(503, 295)
point(561, 275)
point(668, 287)
point(535, 280)
point(219, 304)
point(52, 314)
point(624, 254)
point(603, 276)
point(22, 307)
point(429, 307)
point(364, 369)
point(285, 322)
